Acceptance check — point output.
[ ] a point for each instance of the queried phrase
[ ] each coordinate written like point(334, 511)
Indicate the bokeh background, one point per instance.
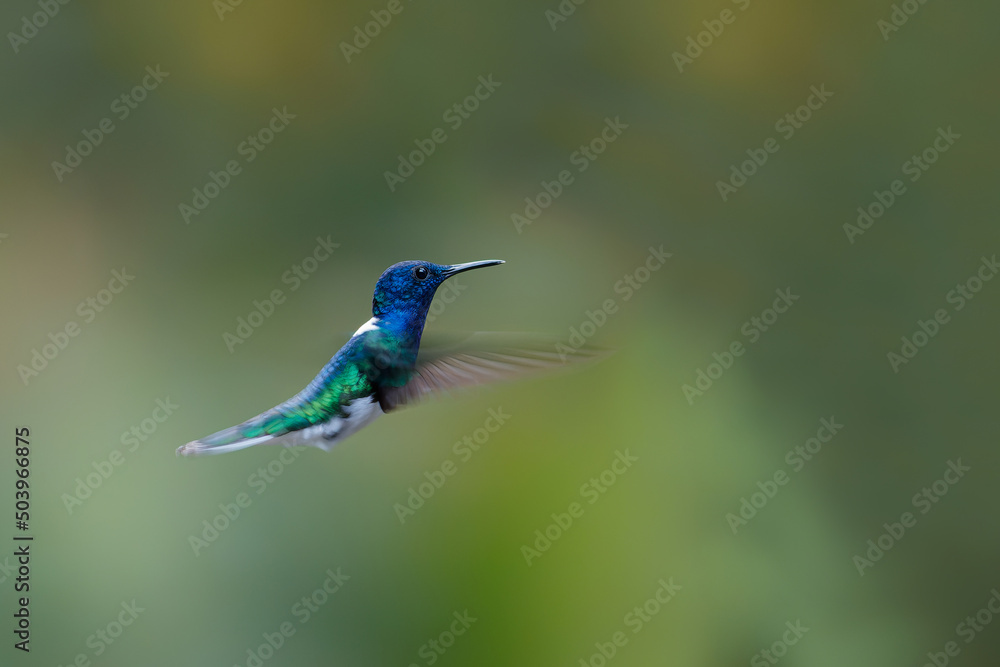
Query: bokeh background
point(323, 176)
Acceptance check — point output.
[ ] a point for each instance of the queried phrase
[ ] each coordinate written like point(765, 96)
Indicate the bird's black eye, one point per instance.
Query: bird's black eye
point(420, 273)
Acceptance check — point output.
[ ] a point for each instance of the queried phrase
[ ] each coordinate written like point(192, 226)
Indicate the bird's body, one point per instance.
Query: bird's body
point(377, 370)
point(340, 400)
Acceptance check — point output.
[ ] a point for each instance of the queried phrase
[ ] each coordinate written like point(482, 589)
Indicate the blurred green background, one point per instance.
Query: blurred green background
point(324, 176)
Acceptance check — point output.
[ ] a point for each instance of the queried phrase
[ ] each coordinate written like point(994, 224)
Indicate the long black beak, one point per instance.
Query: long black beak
point(458, 268)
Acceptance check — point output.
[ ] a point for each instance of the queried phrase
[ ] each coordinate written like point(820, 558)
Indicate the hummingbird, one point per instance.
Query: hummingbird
point(382, 367)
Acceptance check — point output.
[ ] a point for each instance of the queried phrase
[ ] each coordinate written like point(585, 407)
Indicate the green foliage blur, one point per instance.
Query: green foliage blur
point(117, 517)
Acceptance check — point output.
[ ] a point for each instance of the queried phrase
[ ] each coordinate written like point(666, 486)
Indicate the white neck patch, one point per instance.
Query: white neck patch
point(370, 325)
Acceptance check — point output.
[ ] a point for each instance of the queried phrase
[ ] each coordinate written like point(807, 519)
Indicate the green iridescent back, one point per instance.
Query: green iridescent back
point(371, 360)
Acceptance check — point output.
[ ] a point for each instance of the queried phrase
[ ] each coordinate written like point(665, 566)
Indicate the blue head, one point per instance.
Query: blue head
point(404, 292)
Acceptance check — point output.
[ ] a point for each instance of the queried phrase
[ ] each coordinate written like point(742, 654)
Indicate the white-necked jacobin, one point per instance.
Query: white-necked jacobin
point(379, 369)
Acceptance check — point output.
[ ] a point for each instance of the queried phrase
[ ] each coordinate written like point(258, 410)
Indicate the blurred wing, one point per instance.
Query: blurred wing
point(482, 358)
